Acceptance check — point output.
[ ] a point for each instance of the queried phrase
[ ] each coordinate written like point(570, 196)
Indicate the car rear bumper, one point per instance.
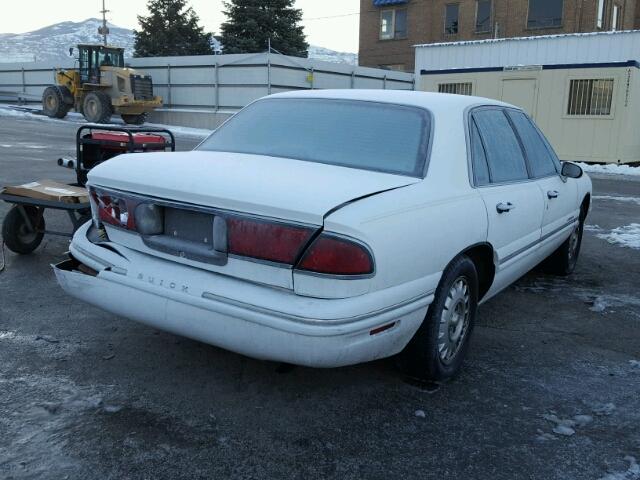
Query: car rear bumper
point(254, 320)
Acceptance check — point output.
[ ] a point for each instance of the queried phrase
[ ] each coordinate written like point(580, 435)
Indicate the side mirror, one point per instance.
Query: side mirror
point(571, 170)
point(71, 52)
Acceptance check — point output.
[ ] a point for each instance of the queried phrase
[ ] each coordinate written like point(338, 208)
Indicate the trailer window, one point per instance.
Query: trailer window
point(464, 88)
point(590, 97)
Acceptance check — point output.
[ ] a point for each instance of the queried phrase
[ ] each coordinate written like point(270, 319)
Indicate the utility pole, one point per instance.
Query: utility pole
point(104, 30)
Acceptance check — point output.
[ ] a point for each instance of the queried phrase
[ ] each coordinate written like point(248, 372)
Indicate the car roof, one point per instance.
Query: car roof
point(429, 100)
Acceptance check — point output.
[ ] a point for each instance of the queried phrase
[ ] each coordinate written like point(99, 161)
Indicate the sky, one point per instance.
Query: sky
point(338, 32)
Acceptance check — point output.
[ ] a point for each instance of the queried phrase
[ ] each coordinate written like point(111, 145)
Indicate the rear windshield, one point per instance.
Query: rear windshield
point(366, 135)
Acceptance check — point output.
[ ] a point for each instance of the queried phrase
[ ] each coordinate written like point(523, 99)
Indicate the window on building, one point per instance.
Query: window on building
point(504, 155)
point(393, 24)
point(396, 67)
point(600, 18)
point(541, 162)
point(590, 97)
point(616, 18)
point(545, 13)
point(463, 88)
point(483, 16)
point(452, 11)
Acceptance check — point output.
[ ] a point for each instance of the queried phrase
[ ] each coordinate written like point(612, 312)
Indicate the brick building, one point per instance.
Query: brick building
point(390, 28)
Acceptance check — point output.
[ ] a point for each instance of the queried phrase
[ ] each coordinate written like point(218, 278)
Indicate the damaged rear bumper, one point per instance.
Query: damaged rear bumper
point(251, 319)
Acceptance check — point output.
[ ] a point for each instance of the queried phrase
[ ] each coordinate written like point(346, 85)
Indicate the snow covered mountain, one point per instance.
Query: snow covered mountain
point(52, 43)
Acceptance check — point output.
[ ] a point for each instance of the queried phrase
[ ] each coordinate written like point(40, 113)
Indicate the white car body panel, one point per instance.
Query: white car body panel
point(413, 226)
point(266, 186)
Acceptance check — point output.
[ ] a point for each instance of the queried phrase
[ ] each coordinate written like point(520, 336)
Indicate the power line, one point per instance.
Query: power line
point(331, 16)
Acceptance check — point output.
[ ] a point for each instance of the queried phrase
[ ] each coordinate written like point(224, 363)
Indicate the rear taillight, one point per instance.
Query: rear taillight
point(275, 242)
point(114, 208)
point(334, 255)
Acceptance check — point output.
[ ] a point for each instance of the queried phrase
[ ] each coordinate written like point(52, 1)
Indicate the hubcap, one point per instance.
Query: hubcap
point(92, 107)
point(25, 235)
point(51, 102)
point(573, 243)
point(454, 321)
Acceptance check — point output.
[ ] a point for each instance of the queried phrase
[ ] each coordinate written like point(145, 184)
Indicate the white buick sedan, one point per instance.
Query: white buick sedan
point(328, 228)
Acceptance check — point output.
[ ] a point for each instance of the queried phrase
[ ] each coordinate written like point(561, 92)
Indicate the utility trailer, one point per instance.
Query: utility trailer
point(24, 225)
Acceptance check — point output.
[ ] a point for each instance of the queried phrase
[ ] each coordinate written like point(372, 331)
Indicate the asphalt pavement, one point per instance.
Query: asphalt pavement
point(550, 390)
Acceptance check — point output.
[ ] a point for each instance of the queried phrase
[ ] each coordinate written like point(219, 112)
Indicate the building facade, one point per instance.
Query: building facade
point(390, 28)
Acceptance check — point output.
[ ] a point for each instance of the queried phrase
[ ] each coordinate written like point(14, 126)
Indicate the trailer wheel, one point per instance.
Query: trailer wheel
point(54, 102)
point(97, 108)
point(16, 233)
point(135, 119)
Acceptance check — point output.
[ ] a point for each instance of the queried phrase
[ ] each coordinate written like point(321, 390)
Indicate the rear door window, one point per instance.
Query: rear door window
point(479, 159)
point(541, 162)
point(505, 157)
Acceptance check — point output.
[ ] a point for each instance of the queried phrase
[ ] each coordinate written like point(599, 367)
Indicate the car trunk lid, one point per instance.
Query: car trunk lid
point(292, 190)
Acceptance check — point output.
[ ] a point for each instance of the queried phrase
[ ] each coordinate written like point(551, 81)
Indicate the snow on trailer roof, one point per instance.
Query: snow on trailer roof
point(569, 49)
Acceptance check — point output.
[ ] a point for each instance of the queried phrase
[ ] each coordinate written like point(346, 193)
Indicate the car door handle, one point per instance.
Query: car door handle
point(552, 194)
point(504, 207)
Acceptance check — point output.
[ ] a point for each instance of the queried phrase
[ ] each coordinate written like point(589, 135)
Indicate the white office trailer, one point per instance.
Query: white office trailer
point(583, 90)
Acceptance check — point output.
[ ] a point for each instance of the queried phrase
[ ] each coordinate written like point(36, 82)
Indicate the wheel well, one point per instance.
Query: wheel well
point(584, 207)
point(482, 257)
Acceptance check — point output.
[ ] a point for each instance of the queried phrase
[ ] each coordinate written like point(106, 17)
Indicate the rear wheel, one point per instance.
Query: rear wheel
point(54, 101)
point(135, 119)
point(97, 108)
point(17, 235)
point(438, 348)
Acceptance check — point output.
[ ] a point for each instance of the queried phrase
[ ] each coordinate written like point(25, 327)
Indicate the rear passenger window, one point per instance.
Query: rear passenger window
point(504, 155)
point(540, 160)
point(479, 159)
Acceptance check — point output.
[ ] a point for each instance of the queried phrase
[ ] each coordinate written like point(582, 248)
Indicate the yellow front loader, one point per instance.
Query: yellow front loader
point(101, 86)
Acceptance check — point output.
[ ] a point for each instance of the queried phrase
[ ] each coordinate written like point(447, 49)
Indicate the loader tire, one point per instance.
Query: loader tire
point(97, 108)
point(135, 119)
point(54, 101)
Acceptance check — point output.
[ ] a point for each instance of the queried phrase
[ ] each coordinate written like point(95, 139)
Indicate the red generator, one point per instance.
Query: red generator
point(96, 144)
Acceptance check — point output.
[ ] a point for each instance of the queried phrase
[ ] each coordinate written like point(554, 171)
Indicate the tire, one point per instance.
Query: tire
point(97, 108)
point(563, 261)
point(135, 119)
point(55, 101)
point(15, 232)
point(437, 350)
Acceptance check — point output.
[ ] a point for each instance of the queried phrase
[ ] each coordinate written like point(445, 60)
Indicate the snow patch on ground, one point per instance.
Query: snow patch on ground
point(635, 363)
point(632, 473)
point(610, 169)
point(592, 228)
point(599, 301)
point(40, 425)
point(74, 117)
point(627, 236)
point(635, 200)
point(565, 427)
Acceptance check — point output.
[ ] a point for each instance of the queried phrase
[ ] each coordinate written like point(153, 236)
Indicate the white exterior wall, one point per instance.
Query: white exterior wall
point(601, 47)
point(545, 95)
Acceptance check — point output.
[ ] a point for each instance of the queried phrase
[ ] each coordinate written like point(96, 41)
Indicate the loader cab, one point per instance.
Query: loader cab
point(92, 57)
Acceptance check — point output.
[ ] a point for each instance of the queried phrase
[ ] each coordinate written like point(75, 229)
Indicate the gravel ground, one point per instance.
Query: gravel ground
point(551, 388)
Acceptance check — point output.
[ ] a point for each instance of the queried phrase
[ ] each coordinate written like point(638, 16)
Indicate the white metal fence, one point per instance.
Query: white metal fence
point(219, 82)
